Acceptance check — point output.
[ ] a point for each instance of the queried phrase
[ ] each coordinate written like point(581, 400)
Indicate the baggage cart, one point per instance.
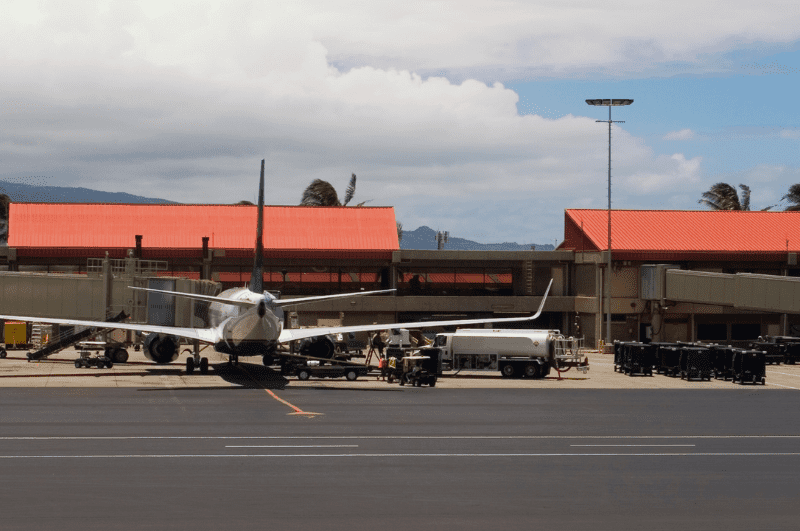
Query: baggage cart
point(722, 361)
point(773, 352)
point(749, 366)
point(695, 362)
point(670, 360)
point(637, 358)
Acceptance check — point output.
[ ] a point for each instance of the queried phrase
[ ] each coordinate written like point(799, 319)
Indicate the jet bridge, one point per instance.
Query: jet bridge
point(746, 291)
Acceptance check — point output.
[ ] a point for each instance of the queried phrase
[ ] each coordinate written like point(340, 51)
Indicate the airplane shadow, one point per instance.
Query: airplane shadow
point(250, 376)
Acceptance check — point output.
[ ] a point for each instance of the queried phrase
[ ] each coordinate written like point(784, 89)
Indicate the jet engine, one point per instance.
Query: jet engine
point(161, 348)
point(318, 347)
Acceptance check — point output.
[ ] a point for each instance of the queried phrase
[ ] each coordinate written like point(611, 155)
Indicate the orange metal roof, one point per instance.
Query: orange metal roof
point(683, 231)
point(72, 225)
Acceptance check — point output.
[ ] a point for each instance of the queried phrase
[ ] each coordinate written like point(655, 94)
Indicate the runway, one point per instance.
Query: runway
point(420, 458)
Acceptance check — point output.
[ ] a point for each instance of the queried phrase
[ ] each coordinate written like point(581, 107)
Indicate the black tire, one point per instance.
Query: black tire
point(351, 375)
point(3, 352)
point(508, 370)
point(109, 364)
point(402, 382)
point(763, 381)
point(120, 355)
point(189, 365)
point(303, 374)
point(417, 383)
point(203, 365)
point(531, 370)
point(78, 364)
point(432, 381)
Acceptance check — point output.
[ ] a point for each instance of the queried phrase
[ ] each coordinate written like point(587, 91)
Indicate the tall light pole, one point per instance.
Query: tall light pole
point(609, 104)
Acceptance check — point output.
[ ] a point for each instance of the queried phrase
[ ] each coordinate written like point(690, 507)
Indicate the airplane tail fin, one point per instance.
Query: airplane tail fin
point(257, 277)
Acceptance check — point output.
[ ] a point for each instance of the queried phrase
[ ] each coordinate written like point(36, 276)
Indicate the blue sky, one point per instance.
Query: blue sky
point(465, 116)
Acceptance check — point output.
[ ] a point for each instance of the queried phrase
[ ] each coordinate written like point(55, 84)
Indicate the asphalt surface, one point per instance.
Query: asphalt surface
point(392, 458)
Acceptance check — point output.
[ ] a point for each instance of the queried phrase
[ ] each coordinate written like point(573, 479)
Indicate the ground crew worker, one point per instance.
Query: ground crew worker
point(392, 364)
point(382, 366)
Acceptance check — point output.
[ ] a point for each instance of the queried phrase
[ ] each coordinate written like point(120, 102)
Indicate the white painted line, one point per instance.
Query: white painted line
point(631, 445)
point(786, 386)
point(387, 437)
point(785, 374)
point(177, 456)
point(304, 446)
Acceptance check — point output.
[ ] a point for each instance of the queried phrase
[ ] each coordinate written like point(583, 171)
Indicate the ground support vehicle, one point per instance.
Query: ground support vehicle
point(116, 352)
point(670, 360)
point(417, 371)
point(634, 358)
point(661, 365)
point(749, 366)
point(722, 361)
point(773, 352)
point(695, 362)
point(88, 360)
point(304, 368)
point(514, 352)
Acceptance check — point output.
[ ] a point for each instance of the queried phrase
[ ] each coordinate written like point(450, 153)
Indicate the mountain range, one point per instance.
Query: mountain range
point(425, 238)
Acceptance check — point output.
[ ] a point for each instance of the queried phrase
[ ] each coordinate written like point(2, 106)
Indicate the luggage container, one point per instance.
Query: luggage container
point(749, 366)
point(637, 358)
point(670, 360)
point(773, 352)
point(722, 361)
point(658, 355)
point(695, 362)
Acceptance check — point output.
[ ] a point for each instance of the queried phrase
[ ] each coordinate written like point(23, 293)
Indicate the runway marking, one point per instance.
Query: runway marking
point(311, 437)
point(785, 374)
point(786, 386)
point(178, 456)
point(297, 410)
point(632, 445)
point(304, 446)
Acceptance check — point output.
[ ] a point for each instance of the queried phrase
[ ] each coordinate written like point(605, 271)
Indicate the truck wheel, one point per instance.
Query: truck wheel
point(508, 370)
point(2, 352)
point(120, 355)
point(432, 381)
point(351, 375)
point(109, 364)
point(531, 370)
point(303, 374)
point(77, 364)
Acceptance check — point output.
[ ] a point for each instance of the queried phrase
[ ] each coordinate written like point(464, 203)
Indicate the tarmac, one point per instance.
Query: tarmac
point(59, 371)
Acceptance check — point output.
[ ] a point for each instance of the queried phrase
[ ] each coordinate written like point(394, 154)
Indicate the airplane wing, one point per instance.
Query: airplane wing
point(206, 335)
point(250, 304)
point(303, 300)
point(302, 333)
point(197, 296)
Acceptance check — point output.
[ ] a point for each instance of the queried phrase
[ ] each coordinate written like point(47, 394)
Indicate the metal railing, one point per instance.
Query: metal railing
point(127, 267)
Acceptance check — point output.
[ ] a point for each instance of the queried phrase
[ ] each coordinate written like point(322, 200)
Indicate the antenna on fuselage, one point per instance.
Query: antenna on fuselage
point(257, 277)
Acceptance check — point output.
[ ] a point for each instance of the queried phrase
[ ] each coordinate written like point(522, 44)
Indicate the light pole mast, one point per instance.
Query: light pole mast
point(609, 103)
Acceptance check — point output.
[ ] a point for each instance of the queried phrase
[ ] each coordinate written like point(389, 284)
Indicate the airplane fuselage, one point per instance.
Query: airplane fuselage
point(246, 331)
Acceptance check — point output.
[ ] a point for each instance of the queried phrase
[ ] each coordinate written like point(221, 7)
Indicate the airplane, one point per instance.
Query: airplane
point(249, 321)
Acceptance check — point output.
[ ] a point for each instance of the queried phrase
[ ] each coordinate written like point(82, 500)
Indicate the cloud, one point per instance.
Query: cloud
point(793, 134)
point(683, 134)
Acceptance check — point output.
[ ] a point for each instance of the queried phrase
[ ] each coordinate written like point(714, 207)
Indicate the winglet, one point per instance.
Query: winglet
point(541, 304)
point(257, 277)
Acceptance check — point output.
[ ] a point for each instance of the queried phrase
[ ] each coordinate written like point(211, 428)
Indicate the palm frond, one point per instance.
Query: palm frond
point(320, 193)
point(745, 199)
point(793, 197)
point(721, 196)
point(351, 190)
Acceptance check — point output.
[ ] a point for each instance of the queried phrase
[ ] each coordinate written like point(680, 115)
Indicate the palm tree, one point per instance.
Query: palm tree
point(723, 196)
point(793, 197)
point(322, 193)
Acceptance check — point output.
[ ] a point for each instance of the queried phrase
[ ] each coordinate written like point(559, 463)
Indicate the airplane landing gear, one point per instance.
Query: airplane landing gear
point(196, 361)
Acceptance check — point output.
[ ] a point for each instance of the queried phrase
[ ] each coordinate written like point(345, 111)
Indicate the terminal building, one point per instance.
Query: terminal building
point(676, 275)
